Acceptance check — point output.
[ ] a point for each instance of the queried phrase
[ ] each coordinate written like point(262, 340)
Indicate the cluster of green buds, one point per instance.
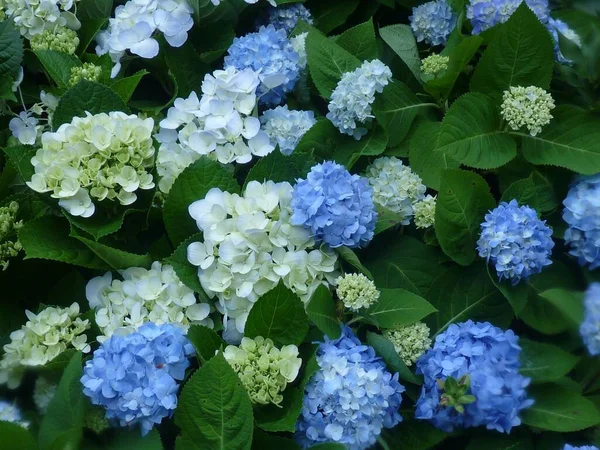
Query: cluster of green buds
point(88, 71)
point(356, 291)
point(95, 420)
point(425, 212)
point(59, 39)
point(9, 244)
point(410, 341)
point(455, 393)
point(527, 107)
point(434, 64)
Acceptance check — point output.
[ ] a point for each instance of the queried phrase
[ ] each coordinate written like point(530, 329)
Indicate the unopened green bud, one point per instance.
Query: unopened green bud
point(356, 291)
point(89, 72)
point(95, 420)
point(59, 39)
point(434, 64)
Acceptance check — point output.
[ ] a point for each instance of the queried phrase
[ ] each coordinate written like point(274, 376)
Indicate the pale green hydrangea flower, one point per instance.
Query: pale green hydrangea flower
point(43, 393)
point(89, 72)
point(59, 39)
point(264, 369)
point(425, 212)
point(434, 64)
point(9, 244)
point(43, 337)
point(528, 107)
point(356, 291)
point(410, 341)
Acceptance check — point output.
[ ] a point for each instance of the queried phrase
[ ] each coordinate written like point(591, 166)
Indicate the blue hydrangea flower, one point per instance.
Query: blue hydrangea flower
point(490, 357)
point(11, 413)
point(336, 206)
point(485, 14)
point(582, 214)
point(285, 127)
point(433, 22)
point(516, 241)
point(590, 327)
point(351, 398)
point(556, 27)
point(584, 447)
point(134, 377)
point(287, 17)
point(269, 52)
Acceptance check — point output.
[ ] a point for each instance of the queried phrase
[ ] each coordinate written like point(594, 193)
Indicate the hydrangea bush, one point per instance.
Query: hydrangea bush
point(297, 224)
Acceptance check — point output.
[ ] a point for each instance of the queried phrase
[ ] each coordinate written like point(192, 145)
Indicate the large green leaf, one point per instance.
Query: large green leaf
point(186, 67)
point(569, 303)
point(266, 441)
point(15, 437)
point(206, 342)
point(321, 310)
point(332, 13)
point(384, 348)
point(283, 417)
point(11, 49)
point(360, 41)
point(535, 191)
point(278, 315)
point(521, 54)
point(515, 441)
point(20, 156)
point(398, 307)
point(62, 425)
point(192, 184)
point(347, 255)
point(133, 440)
point(414, 434)
point(58, 65)
point(471, 133)
point(401, 39)
point(214, 410)
point(544, 362)
point(278, 167)
point(186, 272)
point(570, 140)
point(117, 259)
point(348, 150)
point(125, 87)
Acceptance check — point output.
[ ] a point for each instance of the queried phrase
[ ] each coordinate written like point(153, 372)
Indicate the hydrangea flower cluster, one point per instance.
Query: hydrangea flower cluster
point(410, 341)
point(356, 291)
point(285, 127)
point(220, 125)
point(156, 295)
point(556, 27)
point(104, 156)
point(43, 393)
point(268, 52)
point(60, 39)
point(29, 125)
point(250, 246)
point(353, 96)
point(88, 71)
point(425, 212)
point(395, 186)
point(351, 398)
point(582, 215)
point(9, 225)
point(584, 447)
point(528, 107)
point(135, 24)
point(335, 206)
point(515, 241)
point(299, 46)
point(135, 377)
point(486, 359)
point(43, 337)
point(264, 370)
point(590, 327)
point(434, 64)
point(33, 17)
point(485, 14)
point(287, 17)
point(11, 413)
point(433, 22)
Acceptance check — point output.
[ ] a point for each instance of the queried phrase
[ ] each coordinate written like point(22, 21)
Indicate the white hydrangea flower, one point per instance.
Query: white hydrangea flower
point(156, 295)
point(299, 46)
point(11, 413)
point(395, 186)
point(410, 341)
point(425, 212)
point(285, 127)
point(527, 107)
point(105, 156)
point(250, 245)
point(43, 393)
point(356, 291)
point(134, 26)
point(43, 337)
point(264, 370)
point(32, 17)
point(218, 125)
point(25, 128)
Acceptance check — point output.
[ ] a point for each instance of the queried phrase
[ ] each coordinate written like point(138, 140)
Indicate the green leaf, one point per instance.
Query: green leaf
point(278, 167)
point(20, 156)
point(502, 442)
point(544, 362)
point(327, 62)
point(321, 310)
point(395, 110)
point(125, 87)
point(214, 410)
point(384, 348)
point(414, 435)
point(559, 409)
point(332, 13)
point(15, 437)
point(471, 134)
point(402, 41)
point(535, 191)
point(58, 65)
point(100, 224)
point(187, 68)
point(117, 259)
point(11, 49)
point(94, 9)
point(48, 238)
point(187, 273)
point(6, 85)
point(386, 219)
point(424, 160)
point(192, 184)
point(266, 441)
point(516, 295)
point(62, 425)
point(321, 139)
point(570, 141)
point(132, 440)
point(520, 54)
point(348, 150)
point(462, 202)
point(278, 315)
point(86, 96)
point(205, 341)
point(360, 41)
point(88, 31)
point(398, 307)
point(283, 418)
point(569, 303)
point(350, 257)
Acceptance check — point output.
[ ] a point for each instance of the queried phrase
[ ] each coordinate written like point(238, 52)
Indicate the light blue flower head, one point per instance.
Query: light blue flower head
point(335, 206)
point(287, 17)
point(285, 127)
point(485, 14)
point(270, 53)
point(135, 377)
point(515, 241)
point(351, 398)
point(583, 447)
point(433, 22)
point(9, 412)
point(590, 327)
point(556, 27)
point(489, 358)
point(582, 214)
